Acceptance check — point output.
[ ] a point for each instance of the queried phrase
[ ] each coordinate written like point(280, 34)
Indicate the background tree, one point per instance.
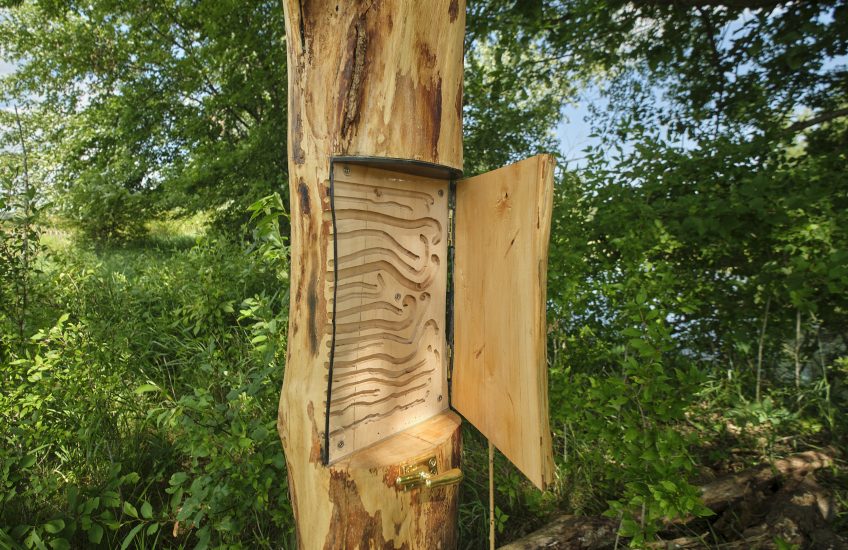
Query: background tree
point(698, 256)
point(152, 107)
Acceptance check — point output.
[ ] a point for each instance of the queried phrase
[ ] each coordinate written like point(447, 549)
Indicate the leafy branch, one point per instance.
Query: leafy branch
point(826, 116)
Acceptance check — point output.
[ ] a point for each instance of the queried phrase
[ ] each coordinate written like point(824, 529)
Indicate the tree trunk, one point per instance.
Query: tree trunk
point(375, 79)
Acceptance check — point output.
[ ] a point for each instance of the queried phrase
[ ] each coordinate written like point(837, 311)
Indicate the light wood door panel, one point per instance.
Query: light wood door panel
point(499, 379)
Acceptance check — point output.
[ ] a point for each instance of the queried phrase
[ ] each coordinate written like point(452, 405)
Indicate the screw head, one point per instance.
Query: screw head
point(340, 444)
point(346, 170)
point(441, 192)
point(439, 398)
point(397, 296)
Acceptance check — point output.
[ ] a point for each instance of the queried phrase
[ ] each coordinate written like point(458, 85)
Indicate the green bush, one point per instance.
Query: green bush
point(146, 413)
point(103, 210)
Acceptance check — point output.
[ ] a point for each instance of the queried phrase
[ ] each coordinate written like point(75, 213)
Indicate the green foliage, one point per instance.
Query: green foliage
point(512, 97)
point(186, 99)
point(105, 211)
point(624, 416)
point(20, 249)
point(20, 235)
point(178, 420)
point(519, 506)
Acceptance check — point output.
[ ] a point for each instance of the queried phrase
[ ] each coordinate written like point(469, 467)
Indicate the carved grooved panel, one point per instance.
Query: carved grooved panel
point(388, 274)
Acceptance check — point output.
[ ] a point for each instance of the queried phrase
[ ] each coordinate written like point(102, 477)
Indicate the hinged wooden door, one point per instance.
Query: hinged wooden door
point(499, 378)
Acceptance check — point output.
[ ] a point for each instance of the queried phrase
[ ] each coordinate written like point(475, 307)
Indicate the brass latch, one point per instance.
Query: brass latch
point(426, 473)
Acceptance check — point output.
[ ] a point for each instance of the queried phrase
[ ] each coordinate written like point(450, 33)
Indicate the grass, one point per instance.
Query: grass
point(145, 402)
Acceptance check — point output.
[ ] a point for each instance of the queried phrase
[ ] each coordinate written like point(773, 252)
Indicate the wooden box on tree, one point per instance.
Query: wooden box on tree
point(415, 293)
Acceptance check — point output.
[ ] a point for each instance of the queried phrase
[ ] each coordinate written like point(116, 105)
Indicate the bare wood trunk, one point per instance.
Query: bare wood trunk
point(382, 79)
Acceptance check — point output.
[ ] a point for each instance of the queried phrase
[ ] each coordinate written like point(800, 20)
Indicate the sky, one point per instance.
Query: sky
point(5, 68)
point(573, 134)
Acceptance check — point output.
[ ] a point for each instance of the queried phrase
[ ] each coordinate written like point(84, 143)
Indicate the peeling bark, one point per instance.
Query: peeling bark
point(367, 79)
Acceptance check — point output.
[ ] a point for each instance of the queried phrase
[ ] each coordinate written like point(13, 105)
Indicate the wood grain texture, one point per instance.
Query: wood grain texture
point(370, 78)
point(390, 256)
point(416, 441)
point(500, 275)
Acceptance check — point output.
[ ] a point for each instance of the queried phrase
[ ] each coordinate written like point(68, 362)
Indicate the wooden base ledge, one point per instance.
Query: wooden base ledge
point(425, 438)
point(367, 510)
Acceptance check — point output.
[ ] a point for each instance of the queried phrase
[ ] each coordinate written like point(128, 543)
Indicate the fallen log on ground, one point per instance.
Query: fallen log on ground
point(572, 532)
point(754, 509)
point(724, 491)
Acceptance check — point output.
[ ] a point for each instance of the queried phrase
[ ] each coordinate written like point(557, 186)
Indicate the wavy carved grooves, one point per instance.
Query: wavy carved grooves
point(386, 287)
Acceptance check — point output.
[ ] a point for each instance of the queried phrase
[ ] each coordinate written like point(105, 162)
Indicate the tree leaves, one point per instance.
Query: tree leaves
point(130, 536)
point(54, 526)
point(151, 107)
point(130, 510)
point(146, 510)
point(95, 533)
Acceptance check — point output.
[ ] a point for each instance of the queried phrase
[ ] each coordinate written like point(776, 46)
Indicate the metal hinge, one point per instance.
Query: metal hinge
point(450, 227)
point(450, 286)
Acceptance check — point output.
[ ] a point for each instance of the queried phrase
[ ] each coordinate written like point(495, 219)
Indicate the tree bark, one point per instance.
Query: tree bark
point(384, 79)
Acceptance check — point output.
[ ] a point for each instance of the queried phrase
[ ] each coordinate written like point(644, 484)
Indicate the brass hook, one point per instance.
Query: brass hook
point(425, 472)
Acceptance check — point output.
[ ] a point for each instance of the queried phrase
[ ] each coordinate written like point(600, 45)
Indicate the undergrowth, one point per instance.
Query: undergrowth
point(142, 412)
point(140, 409)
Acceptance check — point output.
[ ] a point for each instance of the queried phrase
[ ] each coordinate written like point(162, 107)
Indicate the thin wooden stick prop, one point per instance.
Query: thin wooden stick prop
point(491, 496)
